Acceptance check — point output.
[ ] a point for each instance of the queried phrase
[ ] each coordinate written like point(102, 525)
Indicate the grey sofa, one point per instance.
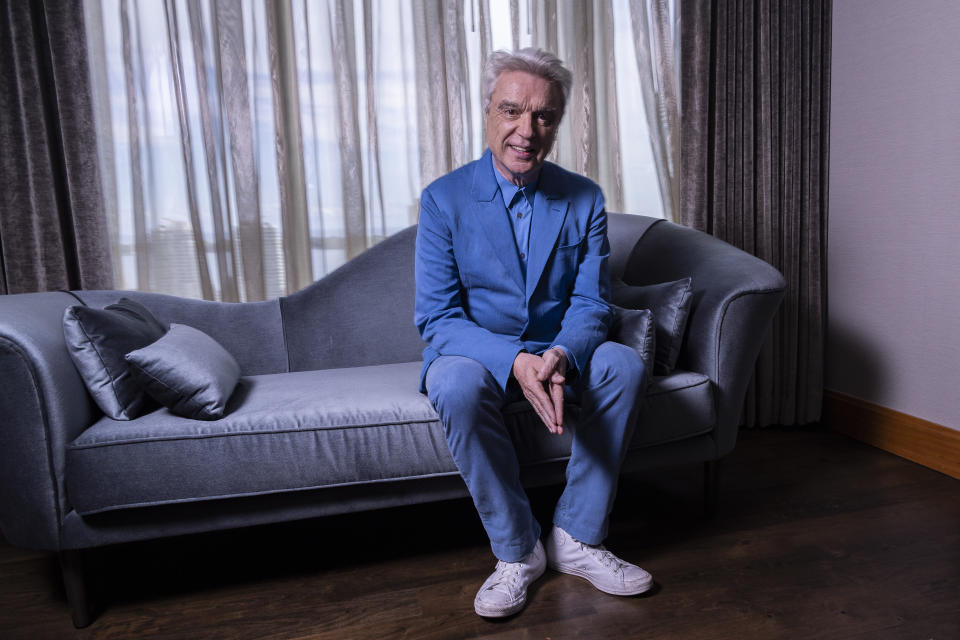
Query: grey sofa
point(327, 417)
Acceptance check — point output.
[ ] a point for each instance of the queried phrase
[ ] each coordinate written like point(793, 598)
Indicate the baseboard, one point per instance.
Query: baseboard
point(927, 443)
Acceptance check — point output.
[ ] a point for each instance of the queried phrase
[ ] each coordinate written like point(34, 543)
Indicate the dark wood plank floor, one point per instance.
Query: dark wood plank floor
point(818, 536)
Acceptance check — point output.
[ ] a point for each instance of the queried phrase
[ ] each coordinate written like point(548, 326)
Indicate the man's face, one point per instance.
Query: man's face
point(522, 123)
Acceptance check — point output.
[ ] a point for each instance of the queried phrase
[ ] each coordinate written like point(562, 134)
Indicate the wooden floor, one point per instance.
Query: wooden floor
point(818, 536)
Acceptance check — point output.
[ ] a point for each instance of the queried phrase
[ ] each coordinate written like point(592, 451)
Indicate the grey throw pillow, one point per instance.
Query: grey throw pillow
point(98, 340)
point(670, 304)
point(188, 372)
point(635, 328)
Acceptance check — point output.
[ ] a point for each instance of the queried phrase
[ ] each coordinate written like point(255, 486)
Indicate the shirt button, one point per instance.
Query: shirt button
point(519, 215)
point(523, 256)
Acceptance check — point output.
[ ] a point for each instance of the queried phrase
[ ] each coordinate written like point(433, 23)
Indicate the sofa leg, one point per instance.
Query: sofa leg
point(711, 487)
point(74, 566)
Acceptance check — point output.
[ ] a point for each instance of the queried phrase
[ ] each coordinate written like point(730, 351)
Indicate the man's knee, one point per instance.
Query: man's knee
point(457, 384)
point(613, 362)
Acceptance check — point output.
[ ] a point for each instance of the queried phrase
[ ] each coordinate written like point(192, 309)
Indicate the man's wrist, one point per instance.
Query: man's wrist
point(563, 351)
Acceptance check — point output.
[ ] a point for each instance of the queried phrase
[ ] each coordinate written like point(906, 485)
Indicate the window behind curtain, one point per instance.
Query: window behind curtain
point(249, 148)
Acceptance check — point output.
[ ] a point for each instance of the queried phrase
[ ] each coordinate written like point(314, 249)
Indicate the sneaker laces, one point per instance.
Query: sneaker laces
point(604, 556)
point(508, 575)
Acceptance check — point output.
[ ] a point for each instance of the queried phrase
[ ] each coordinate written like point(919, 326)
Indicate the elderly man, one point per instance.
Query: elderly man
point(512, 290)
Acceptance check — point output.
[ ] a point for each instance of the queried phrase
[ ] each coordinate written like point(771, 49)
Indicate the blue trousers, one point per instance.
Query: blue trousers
point(469, 401)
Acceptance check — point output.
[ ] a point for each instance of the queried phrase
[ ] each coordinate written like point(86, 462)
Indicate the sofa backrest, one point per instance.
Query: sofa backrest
point(360, 314)
point(250, 331)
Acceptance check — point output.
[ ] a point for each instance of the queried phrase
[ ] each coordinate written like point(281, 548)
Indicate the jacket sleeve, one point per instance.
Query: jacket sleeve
point(586, 321)
point(439, 314)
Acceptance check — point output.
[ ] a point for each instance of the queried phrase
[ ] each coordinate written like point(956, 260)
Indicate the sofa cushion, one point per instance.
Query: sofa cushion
point(635, 328)
point(186, 371)
point(670, 304)
point(311, 429)
point(678, 406)
point(98, 340)
point(282, 432)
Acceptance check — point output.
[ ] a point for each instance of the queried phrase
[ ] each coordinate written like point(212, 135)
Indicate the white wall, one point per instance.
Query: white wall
point(894, 233)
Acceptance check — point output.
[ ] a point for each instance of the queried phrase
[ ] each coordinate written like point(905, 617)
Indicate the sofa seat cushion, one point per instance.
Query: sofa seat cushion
point(679, 406)
point(306, 430)
point(282, 432)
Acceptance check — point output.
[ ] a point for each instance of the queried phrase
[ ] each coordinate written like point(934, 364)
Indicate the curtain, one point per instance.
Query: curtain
point(653, 32)
point(52, 224)
point(755, 83)
point(257, 145)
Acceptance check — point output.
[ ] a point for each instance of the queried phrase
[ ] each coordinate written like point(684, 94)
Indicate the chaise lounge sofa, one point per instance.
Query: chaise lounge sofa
point(327, 417)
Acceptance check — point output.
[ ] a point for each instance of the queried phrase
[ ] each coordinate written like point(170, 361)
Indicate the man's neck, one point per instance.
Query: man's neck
point(518, 179)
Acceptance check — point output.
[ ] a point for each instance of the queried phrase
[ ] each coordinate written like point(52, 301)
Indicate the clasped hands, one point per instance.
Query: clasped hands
point(542, 378)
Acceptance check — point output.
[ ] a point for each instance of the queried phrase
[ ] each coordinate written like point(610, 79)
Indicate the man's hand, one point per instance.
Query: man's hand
point(542, 379)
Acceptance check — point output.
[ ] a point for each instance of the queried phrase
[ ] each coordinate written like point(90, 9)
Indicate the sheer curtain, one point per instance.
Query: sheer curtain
point(255, 145)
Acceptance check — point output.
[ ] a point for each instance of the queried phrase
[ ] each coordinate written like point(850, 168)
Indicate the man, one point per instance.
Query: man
point(512, 289)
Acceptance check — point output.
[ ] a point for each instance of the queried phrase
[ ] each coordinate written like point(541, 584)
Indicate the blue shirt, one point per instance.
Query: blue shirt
point(519, 204)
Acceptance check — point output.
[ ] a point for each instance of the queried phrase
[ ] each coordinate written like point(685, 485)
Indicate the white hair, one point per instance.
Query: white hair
point(536, 61)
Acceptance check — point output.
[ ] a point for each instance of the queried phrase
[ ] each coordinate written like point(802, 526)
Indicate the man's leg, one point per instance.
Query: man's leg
point(469, 402)
point(611, 392)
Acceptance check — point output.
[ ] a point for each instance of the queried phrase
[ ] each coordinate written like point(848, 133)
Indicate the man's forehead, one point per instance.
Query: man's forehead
point(524, 88)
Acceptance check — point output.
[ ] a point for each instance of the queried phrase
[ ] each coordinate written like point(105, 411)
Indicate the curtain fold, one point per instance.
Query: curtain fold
point(289, 146)
point(235, 97)
point(755, 150)
point(442, 91)
point(589, 141)
point(653, 41)
point(53, 232)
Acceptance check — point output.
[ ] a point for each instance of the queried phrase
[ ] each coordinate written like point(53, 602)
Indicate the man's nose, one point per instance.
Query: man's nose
point(525, 126)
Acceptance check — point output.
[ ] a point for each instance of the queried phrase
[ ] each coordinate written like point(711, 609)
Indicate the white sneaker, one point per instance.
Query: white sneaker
point(605, 571)
point(505, 591)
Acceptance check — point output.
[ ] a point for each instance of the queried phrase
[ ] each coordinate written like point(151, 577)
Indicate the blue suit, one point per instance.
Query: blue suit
point(477, 309)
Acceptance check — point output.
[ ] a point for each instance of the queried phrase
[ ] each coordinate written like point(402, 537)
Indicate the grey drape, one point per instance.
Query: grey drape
point(755, 89)
point(53, 231)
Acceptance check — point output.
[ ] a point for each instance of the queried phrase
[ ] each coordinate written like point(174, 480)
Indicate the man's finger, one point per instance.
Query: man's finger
point(550, 364)
point(556, 391)
point(543, 404)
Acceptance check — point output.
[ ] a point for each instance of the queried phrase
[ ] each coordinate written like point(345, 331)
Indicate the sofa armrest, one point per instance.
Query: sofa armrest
point(43, 406)
point(735, 296)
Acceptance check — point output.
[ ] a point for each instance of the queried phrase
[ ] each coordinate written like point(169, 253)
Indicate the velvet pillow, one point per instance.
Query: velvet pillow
point(188, 372)
point(670, 304)
point(98, 340)
point(634, 328)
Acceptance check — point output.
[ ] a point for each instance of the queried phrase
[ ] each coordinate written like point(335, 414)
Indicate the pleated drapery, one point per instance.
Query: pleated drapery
point(53, 232)
point(755, 87)
point(256, 145)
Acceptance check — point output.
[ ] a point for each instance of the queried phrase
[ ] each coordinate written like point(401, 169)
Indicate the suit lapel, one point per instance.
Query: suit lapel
point(549, 212)
point(492, 218)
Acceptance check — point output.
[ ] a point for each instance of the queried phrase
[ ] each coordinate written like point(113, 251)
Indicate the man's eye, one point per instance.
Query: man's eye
point(545, 118)
point(510, 112)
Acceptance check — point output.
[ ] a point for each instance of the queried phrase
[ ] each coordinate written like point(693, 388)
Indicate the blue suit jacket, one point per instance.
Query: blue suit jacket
point(473, 298)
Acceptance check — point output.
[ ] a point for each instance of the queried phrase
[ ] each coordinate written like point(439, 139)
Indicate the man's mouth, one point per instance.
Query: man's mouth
point(525, 151)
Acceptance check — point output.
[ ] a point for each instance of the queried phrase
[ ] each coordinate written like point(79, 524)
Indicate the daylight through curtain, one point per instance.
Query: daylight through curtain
point(256, 145)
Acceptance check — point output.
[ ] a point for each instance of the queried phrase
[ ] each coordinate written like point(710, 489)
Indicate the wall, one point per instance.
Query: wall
point(894, 232)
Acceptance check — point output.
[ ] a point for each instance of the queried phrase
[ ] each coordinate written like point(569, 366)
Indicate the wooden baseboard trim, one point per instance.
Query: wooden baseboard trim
point(927, 443)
